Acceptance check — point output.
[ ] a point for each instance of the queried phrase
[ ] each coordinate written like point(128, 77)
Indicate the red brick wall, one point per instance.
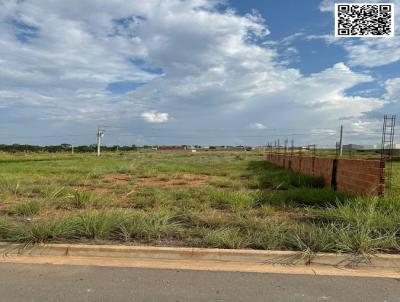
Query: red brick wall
point(296, 161)
point(361, 176)
point(307, 166)
point(324, 168)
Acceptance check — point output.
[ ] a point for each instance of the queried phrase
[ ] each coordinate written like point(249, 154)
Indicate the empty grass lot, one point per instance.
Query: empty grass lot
point(205, 199)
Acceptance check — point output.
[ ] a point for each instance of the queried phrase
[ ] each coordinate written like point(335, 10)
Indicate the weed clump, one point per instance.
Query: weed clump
point(28, 208)
point(95, 224)
point(150, 226)
point(233, 200)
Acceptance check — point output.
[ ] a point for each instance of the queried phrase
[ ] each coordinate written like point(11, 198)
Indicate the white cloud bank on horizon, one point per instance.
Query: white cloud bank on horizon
point(57, 60)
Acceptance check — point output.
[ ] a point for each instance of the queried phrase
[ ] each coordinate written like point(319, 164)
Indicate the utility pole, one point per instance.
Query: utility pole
point(292, 148)
point(72, 149)
point(341, 141)
point(100, 134)
point(279, 147)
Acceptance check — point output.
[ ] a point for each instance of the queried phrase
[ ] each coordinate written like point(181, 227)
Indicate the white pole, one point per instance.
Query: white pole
point(98, 141)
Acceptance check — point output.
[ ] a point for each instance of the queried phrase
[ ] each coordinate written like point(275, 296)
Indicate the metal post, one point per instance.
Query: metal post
point(286, 146)
point(341, 141)
point(98, 141)
point(279, 146)
point(292, 148)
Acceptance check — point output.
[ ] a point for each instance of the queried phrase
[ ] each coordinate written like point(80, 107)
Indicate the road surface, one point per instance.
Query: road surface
point(43, 282)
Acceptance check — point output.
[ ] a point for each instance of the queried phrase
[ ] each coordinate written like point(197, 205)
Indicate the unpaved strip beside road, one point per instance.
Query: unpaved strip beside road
point(28, 282)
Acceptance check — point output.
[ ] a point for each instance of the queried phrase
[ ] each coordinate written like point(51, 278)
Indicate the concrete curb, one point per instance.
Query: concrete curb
point(203, 259)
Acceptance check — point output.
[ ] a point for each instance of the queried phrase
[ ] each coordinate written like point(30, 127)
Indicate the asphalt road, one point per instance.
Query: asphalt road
point(39, 282)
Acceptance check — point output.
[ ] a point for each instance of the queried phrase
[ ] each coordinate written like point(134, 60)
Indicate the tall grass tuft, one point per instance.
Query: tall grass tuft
point(101, 224)
point(28, 208)
point(312, 238)
point(271, 235)
point(150, 226)
point(227, 237)
point(362, 239)
point(380, 214)
point(234, 200)
point(43, 230)
point(81, 199)
point(306, 197)
point(6, 227)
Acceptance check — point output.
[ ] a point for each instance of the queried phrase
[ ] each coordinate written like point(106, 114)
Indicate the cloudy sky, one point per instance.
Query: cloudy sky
point(190, 72)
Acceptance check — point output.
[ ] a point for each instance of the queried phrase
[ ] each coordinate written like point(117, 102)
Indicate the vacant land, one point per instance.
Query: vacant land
point(205, 199)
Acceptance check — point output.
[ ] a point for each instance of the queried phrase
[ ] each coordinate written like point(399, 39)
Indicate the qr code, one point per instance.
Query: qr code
point(364, 19)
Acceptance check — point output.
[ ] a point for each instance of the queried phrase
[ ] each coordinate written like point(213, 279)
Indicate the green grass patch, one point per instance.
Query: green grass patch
point(28, 208)
point(244, 202)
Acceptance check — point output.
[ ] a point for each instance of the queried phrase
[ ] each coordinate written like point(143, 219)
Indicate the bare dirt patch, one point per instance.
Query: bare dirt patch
point(186, 180)
point(116, 177)
point(90, 188)
point(103, 190)
point(109, 180)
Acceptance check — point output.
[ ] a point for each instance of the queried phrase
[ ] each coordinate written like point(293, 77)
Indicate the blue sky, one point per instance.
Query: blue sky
point(190, 72)
point(287, 17)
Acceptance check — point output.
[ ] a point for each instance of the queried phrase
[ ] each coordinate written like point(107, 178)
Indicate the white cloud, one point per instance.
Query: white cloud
point(390, 98)
point(257, 126)
point(155, 117)
point(217, 69)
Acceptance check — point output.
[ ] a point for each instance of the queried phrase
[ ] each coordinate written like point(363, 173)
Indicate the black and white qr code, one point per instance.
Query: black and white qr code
point(364, 19)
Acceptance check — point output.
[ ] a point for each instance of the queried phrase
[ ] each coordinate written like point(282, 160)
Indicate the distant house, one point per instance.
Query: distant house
point(173, 148)
point(371, 148)
point(353, 147)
